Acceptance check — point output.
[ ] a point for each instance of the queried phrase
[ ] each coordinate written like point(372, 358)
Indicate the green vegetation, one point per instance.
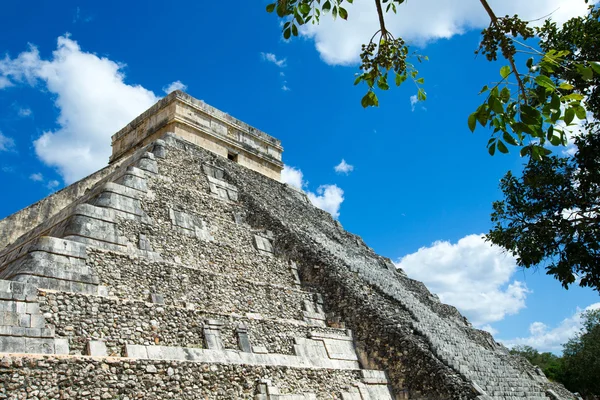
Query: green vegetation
point(550, 215)
point(579, 367)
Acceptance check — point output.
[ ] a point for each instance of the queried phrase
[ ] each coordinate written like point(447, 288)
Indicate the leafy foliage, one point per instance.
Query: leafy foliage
point(549, 363)
point(551, 214)
point(581, 358)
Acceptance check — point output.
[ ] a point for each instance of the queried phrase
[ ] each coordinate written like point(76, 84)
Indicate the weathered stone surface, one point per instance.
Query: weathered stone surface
point(230, 302)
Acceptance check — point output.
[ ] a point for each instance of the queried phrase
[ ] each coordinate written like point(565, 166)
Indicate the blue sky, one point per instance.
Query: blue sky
point(415, 183)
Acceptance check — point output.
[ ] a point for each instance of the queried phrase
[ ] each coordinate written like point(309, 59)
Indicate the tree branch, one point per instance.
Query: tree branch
point(510, 59)
point(381, 19)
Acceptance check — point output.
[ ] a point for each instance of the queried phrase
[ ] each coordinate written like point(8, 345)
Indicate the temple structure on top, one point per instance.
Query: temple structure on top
point(205, 126)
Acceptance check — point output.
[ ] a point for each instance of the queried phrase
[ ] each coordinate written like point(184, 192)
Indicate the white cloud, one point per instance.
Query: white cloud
point(285, 87)
point(490, 329)
point(24, 112)
point(418, 22)
point(343, 167)
point(177, 85)
point(413, 102)
point(293, 177)
point(544, 339)
point(37, 177)
point(93, 101)
point(472, 275)
point(6, 143)
point(270, 57)
point(328, 198)
point(53, 184)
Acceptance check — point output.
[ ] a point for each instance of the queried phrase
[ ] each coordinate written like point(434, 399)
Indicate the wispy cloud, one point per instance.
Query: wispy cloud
point(544, 338)
point(177, 85)
point(37, 177)
point(79, 17)
point(272, 58)
point(343, 167)
point(413, 102)
point(24, 112)
point(6, 143)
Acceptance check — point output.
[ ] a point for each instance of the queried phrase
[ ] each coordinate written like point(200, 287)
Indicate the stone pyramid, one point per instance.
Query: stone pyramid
point(186, 270)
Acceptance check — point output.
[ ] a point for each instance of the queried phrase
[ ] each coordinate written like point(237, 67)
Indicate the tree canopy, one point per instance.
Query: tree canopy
point(550, 215)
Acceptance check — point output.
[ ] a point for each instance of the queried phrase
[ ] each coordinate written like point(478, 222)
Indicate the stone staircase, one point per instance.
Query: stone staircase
point(53, 269)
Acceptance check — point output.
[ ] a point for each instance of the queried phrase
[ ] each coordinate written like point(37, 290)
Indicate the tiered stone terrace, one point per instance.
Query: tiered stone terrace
point(181, 274)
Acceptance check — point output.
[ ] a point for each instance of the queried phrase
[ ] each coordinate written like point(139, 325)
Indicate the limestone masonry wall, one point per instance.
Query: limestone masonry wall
point(87, 378)
point(187, 275)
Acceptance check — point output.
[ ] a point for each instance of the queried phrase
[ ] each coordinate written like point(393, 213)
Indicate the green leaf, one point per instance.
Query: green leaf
point(294, 30)
point(326, 6)
point(595, 66)
point(529, 62)
point(365, 101)
point(374, 99)
point(421, 95)
point(569, 115)
point(472, 122)
point(421, 81)
point(304, 8)
point(572, 96)
point(565, 86)
point(343, 13)
point(544, 81)
point(492, 149)
point(287, 33)
point(484, 89)
point(525, 151)
point(482, 114)
point(334, 12)
point(580, 111)
point(505, 71)
point(502, 147)
point(400, 78)
point(358, 79)
point(587, 74)
point(508, 138)
point(495, 105)
point(505, 94)
point(382, 84)
point(271, 7)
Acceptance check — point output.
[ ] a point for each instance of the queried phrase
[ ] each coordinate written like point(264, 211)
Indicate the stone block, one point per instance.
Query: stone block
point(263, 244)
point(243, 339)
point(96, 348)
point(136, 351)
point(259, 350)
point(9, 344)
point(38, 321)
point(61, 346)
point(25, 320)
point(39, 345)
point(33, 308)
point(157, 298)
